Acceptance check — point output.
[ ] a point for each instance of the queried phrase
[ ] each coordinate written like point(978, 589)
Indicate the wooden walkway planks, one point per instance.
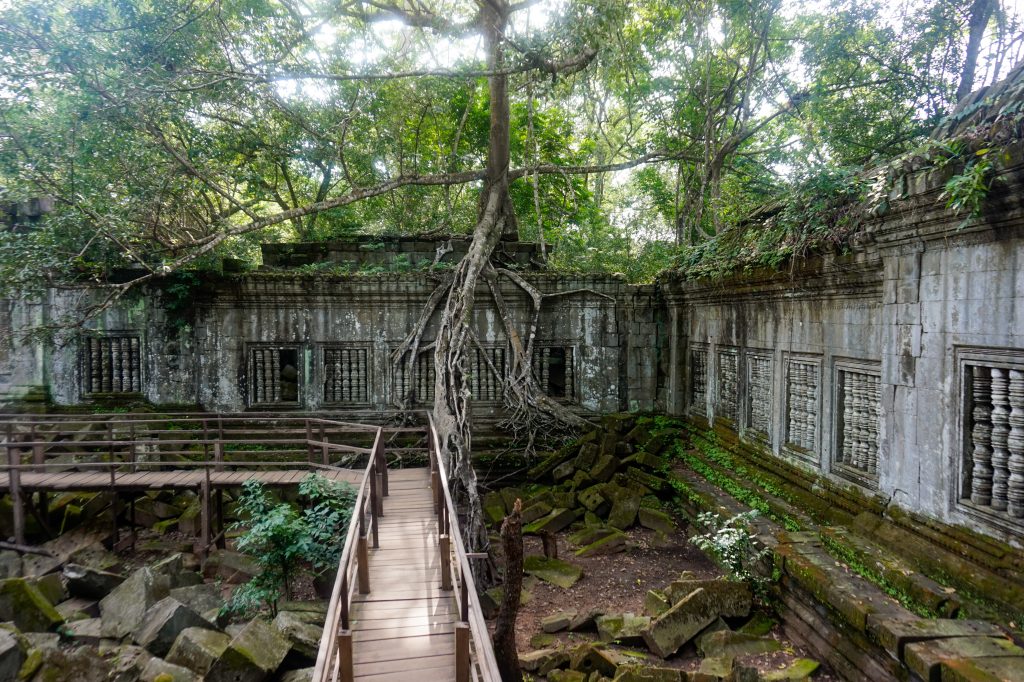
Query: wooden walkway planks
point(404, 628)
point(171, 478)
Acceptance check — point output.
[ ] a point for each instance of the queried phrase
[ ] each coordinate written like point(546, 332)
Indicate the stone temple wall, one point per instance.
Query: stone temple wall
point(897, 368)
point(282, 340)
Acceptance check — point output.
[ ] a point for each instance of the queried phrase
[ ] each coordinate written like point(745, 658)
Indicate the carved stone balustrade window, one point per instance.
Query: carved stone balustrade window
point(698, 383)
point(858, 399)
point(111, 364)
point(803, 384)
point(728, 385)
point(555, 372)
point(417, 387)
point(992, 417)
point(759, 394)
point(346, 375)
point(487, 373)
point(274, 375)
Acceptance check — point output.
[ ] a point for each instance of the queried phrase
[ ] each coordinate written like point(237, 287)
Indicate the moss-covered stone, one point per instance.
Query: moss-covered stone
point(625, 505)
point(604, 468)
point(532, 661)
point(736, 644)
point(198, 649)
point(624, 628)
point(926, 658)
point(642, 673)
point(542, 640)
point(681, 623)
point(656, 603)
point(554, 571)
point(557, 520)
point(656, 520)
point(611, 543)
point(254, 653)
point(13, 653)
point(23, 603)
point(535, 512)
point(799, 670)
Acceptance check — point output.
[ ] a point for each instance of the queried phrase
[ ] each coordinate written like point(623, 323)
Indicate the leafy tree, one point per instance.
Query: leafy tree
point(282, 540)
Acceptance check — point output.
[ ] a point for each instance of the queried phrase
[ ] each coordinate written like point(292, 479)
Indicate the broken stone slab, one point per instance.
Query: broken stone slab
point(586, 620)
point(301, 675)
point(233, 568)
point(304, 636)
point(566, 676)
point(594, 500)
point(200, 598)
point(610, 544)
point(253, 654)
point(198, 649)
point(656, 520)
point(604, 468)
point(163, 622)
point(625, 505)
point(557, 520)
point(625, 628)
point(89, 631)
point(532, 661)
point(557, 621)
point(78, 608)
point(10, 564)
point(648, 481)
point(591, 534)
point(494, 507)
point(159, 669)
point(90, 583)
point(1000, 668)
point(535, 511)
point(643, 673)
point(51, 586)
point(128, 663)
point(598, 660)
point(581, 480)
point(799, 670)
point(718, 625)
point(586, 457)
point(554, 571)
point(12, 655)
point(542, 640)
point(563, 471)
point(23, 603)
point(677, 626)
point(509, 497)
point(122, 610)
point(95, 556)
point(927, 658)
point(650, 461)
point(759, 624)
point(733, 599)
point(736, 644)
point(893, 634)
point(81, 664)
point(716, 667)
point(656, 603)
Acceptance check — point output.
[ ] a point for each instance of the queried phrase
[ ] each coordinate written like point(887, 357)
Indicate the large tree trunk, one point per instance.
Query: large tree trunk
point(977, 22)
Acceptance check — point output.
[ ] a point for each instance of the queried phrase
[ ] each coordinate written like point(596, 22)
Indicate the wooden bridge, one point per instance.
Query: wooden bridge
point(404, 604)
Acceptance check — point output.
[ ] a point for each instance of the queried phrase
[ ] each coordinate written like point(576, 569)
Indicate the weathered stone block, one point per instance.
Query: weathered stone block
point(566, 676)
point(159, 669)
point(12, 656)
point(90, 583)
point(609, 544)
point(563, 471)
point(625, 505)
point(624, 628)
point(534, 512)
point(557, 621)
point(677, 626)
point(656, 603)
point(604, 468)
point(10, 564)
point(232, 567)
point(656, 520)
point(594, 500)
point(198, 649)
point(253, 654)
point(23, 603)
point(557, 520)
point(531, 661)
point(51, 587)
point(123, 608)
point(163, 622)
point(643, 673)
point(926, 658)
point(200, 598)
point(554, 571)
point(731, 599)
point(894, 633)
point(736, 644)
point(88, 631)
point(304, 636)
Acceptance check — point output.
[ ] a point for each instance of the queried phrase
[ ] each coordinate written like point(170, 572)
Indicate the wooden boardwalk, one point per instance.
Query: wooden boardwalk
point(404, 628)
point(170, 479)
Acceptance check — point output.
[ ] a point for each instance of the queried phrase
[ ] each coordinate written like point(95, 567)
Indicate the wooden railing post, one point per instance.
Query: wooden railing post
point(218, 455)
point(204, 522)
point(346, 667)
point(363, 565)
point(445, 545)
point(462, 652)
point(14, 486)
point(309, 441)
point(375, 508)
point(324, 451)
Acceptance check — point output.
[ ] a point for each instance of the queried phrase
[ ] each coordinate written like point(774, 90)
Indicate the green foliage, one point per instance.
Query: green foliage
point(965, 192)
point(732, 543)
point(282, 540)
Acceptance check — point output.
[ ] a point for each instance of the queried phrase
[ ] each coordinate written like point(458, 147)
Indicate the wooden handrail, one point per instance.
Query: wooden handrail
point(334, 656)
point(467, 598)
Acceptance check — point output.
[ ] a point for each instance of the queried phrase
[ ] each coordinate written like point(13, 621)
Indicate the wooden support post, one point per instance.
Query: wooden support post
point(445, 546)
point(204, 521)
point(378, 484)
point(218, 456)
point(221, 540)
point(113, 518)
point(462, 652)
point(14, 486)
point(363, 567)
point(435, 485)
point(39, 457)
point(346, 666)
point(131, 518)
point(324, 452)
point(309, 442)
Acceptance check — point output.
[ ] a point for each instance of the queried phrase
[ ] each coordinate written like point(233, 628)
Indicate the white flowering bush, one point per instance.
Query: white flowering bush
point(732, 543)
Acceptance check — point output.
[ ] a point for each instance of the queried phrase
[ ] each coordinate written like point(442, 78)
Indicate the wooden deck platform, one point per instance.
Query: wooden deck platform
point(404, 628)
point(178, 478)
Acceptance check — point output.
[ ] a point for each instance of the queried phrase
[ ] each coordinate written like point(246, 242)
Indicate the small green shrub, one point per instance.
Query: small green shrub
point(732, 543)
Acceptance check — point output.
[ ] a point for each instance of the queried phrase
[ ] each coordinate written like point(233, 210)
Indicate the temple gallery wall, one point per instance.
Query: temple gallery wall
point(895, 368)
